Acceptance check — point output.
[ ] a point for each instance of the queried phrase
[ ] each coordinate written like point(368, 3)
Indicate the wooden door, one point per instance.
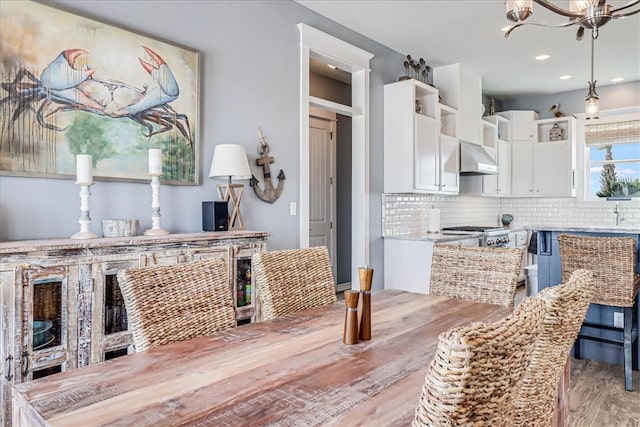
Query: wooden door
point(322, 196)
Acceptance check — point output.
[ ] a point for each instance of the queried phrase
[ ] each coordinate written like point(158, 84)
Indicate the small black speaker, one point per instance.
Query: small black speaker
point(215, 216)
point(207, 216)
point(221, 216)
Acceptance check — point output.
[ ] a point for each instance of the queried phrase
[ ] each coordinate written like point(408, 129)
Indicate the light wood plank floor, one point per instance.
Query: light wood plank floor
point(597, 394)
point(598, 397)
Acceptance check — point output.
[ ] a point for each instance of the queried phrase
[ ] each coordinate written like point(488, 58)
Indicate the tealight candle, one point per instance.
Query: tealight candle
point(84, 169)
point(155, 161)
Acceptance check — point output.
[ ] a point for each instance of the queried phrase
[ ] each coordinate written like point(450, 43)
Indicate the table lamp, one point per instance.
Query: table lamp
point(230, 162)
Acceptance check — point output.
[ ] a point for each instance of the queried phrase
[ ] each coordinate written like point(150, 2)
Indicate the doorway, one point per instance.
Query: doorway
point(315, 44)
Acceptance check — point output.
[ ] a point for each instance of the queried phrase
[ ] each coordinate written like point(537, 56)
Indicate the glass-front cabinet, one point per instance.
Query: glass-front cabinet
point(61, 306)
point(47, 343)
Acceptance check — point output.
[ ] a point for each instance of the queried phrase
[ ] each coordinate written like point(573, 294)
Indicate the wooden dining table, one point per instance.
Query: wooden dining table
point(290, 371)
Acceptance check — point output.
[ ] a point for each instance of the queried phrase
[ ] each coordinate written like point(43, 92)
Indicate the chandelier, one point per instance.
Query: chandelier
point(586, 14)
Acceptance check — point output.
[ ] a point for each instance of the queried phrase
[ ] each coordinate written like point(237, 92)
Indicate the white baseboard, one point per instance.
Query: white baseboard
point(341, 287)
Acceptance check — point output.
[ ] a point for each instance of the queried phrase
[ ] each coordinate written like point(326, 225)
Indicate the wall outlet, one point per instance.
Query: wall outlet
point(293, 209)
point(618, 319)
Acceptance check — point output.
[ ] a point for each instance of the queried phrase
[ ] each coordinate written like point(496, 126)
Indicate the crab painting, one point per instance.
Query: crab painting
point(63, 86)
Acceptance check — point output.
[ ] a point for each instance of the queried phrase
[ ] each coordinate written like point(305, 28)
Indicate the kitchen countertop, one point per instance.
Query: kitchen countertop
point(436, 237)
point(587, 229)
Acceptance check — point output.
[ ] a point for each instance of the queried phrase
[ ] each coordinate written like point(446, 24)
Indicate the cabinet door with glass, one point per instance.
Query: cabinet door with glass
point(110, 336)
point(48, 331)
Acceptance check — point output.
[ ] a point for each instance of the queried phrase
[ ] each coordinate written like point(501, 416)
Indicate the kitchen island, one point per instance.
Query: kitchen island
point(549, 274)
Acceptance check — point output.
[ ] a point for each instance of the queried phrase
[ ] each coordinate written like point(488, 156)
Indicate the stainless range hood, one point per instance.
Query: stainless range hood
point(475, 161)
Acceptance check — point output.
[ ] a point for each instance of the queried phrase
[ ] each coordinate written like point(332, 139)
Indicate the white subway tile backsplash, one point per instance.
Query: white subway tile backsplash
point(409, 214)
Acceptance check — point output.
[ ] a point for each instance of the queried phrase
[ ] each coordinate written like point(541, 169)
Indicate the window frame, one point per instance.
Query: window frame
point(583, 152)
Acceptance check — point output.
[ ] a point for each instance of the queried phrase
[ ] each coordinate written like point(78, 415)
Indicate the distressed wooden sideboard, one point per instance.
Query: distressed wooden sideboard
point(62, 307)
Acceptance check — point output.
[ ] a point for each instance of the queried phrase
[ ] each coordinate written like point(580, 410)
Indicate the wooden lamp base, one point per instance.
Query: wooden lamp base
point(233, 193)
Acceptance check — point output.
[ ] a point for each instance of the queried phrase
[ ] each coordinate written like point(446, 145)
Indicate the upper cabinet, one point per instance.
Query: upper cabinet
point(554, 157)
point(543, 159)
point(416, 160)
point(522, 124)
point(461, 89)
point(495, 141)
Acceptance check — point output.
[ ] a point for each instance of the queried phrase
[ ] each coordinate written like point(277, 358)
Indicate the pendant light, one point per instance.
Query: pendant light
point(592, 102)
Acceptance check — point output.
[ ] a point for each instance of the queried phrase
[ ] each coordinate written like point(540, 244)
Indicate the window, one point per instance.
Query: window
point(613, 158)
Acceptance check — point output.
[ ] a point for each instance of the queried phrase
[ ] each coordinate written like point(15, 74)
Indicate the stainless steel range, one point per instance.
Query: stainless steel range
point(497, 237)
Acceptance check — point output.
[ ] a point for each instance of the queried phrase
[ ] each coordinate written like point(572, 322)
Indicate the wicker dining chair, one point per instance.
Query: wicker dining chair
point(481, 274)
point(293, 279)
point(612, 259)
point(565, 309)
point(476, 372)
point(173, 303)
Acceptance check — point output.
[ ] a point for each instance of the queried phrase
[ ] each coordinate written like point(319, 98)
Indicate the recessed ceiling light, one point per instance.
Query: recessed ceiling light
point(565, 77)
point(542, 57)
point(617, 79)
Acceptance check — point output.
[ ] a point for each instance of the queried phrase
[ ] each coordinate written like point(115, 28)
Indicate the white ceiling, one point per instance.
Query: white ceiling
point(468, 31)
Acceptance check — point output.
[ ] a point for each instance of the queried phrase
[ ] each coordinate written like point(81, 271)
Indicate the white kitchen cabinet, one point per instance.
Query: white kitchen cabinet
point(407, 263)
point(426, 163)
point(546, 166)
point(522, 168)
point(521, 124)
point(449, 164)
point(495, 139)
point(495, 142)
point(461, 89)
point(421, 153)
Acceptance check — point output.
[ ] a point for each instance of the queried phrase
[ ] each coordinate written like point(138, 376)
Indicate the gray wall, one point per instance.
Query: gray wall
point(615, 96)
point(249, 78)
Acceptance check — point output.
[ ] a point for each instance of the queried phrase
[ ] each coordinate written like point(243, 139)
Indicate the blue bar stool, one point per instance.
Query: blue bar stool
point(612, 259)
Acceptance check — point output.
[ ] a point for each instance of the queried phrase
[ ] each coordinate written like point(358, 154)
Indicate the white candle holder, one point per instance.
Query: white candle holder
point(85, 218)
point(155, 229)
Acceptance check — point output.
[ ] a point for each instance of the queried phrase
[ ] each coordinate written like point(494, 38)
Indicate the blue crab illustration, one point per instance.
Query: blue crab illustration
point(63, 87)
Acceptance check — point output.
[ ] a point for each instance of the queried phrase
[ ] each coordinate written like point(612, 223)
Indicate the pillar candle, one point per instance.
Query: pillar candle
point(84, 169)
point(155, 161)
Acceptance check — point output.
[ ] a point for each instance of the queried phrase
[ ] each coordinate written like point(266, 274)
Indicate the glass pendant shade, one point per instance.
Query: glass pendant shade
point(592, 107)
point(579, 6)
point(519, 10)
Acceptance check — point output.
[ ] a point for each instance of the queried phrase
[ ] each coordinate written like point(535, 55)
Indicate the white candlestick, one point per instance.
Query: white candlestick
point(155, 162)
point(84, 169)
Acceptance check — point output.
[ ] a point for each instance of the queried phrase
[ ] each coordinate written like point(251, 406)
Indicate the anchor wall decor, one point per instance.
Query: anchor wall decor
point(269, 194)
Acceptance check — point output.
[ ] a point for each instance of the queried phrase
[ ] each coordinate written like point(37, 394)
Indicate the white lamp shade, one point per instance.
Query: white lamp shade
point(229, 161)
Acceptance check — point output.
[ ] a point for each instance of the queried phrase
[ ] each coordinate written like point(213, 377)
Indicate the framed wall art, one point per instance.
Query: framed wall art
point(71, 85)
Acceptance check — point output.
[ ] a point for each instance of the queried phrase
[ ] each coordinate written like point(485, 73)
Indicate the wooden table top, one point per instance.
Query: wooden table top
point(293, 370)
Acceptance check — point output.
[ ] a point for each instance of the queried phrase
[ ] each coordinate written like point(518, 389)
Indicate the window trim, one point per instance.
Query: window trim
point(606, 116)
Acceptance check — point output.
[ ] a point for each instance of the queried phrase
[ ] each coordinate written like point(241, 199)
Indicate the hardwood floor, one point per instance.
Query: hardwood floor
point(598, 397)
point(597, 394)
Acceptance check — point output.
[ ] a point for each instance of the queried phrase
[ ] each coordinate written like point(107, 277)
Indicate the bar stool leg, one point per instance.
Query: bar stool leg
point(628, 326)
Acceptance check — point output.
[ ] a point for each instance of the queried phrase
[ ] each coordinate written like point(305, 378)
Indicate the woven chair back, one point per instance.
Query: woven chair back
point(476, 372)
point(612, 259)
point(480, 274)
point(173, 303)
point(292, 280)
point(565, 309)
